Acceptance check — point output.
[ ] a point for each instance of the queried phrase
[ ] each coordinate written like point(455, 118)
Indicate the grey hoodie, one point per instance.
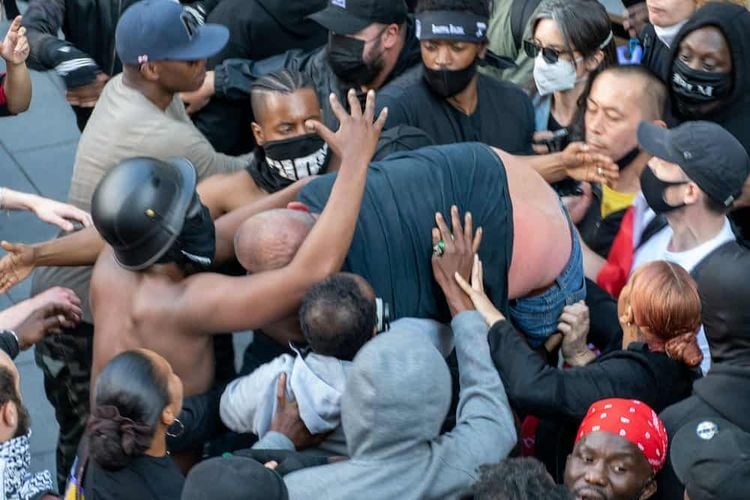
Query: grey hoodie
point(396, 398)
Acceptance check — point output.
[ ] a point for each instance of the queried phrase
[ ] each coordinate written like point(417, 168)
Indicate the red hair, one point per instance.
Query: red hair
point(667, 308)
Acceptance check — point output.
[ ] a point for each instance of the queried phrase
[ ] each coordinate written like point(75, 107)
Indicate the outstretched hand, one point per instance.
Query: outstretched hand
point(453, 252)
point(287, 421)
point(582, 164)
point(60, 214)
point(16, 264)
point(476, 293)
point(358, 132)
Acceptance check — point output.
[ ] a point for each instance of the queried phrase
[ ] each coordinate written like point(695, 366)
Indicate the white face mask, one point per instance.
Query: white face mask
point(668, 33)
point(557, 77)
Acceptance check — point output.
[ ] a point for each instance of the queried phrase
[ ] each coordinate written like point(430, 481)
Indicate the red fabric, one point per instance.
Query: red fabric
point(613, 276)
point(633, 420)
point(3, 99)
point(528, 436)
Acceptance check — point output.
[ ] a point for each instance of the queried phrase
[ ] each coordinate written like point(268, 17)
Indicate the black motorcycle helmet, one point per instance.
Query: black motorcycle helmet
point(139, 208)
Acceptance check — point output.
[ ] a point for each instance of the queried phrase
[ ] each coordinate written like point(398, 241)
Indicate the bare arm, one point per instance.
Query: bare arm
point(217, 303)
point(78, 249)
point(228, 224)
point(15, 49)
point(576, 162)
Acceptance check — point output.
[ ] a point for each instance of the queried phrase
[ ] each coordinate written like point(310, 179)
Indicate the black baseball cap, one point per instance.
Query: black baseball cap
point(711, 457)
point(710, 156)
point(161, 30)
point(347, 17)
point(233, 478)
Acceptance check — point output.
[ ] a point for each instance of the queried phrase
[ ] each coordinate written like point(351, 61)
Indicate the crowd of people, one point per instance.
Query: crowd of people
point(487, 249)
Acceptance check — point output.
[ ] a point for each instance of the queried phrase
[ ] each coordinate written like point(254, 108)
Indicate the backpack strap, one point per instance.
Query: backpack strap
point(520, 13)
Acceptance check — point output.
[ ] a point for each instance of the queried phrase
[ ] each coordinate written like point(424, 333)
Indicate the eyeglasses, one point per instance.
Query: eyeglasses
point(533, 49)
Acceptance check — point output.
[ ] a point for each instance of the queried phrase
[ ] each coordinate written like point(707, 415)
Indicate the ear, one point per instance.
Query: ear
point(9, 415)
point(167, 416)
point(391, 35)
point(482, 50)
point(258, 134)
point(660, 123)
point(692, 194)
point(150, 71)
point(649, 490)
point(628, 317)
point(594, 61)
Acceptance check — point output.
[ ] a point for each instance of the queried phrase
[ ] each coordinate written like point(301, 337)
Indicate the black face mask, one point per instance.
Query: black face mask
point(629, 157)
point(195, 247)
point(346, 57)
point(653, 190)
point(297, 157)
point(447, 82)
point(694, 88)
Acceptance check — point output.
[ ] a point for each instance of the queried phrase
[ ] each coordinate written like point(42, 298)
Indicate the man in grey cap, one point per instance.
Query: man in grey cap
point(697, 172)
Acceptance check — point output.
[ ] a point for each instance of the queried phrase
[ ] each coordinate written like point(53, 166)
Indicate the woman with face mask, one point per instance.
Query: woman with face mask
point(709, 79)
point(572, 39)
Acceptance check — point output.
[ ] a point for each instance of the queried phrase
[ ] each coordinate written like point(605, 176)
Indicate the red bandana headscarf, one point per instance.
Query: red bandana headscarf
point(633, 420)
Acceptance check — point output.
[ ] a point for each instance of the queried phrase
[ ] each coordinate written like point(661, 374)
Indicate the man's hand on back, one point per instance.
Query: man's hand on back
point(287, 421)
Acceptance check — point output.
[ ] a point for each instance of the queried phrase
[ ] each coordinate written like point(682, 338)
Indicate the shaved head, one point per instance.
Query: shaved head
point(270, 240)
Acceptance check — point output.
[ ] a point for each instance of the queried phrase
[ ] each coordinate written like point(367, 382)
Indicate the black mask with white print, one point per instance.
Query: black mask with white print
point(297, 157)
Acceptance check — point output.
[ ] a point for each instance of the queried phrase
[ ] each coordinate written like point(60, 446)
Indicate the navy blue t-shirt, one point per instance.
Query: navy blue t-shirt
point(504, 117)
point(392, 244)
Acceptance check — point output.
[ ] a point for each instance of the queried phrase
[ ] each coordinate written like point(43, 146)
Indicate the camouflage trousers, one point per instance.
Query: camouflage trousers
point(65, 360)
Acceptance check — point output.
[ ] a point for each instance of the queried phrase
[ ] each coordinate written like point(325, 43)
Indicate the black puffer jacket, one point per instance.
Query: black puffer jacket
point(89, 29)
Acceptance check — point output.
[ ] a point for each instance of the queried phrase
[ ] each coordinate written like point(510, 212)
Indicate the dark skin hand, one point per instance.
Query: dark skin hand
point(49, 318)
point(458, 257)
point(287, 421)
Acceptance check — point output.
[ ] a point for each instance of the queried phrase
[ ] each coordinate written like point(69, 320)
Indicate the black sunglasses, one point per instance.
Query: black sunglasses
point(533, 49)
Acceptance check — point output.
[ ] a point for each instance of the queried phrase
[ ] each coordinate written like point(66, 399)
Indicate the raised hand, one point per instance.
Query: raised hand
point(453, 252)
point(574, 326)
point(15, 47)
point(358, 134)
point(476, 293)
point(16, 265)
point(582, 164)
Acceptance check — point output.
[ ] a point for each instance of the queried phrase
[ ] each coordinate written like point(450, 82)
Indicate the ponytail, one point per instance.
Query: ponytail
point(114, 440)
point(684, 348)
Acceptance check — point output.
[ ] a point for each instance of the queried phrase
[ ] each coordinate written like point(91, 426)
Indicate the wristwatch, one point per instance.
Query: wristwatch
point(15, 336)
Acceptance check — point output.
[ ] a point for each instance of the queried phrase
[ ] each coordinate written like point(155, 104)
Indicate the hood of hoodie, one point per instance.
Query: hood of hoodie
point(318, 383)
point(397, 396)
point(726, 389)
point(734, 22)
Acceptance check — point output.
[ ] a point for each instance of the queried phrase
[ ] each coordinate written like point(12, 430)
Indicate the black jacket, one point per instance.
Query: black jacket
point(723, 393)
point(655, 53)
point(89, 29)
point(562, 397)
point(596, 231)
point(258, 29)
point(234, 77)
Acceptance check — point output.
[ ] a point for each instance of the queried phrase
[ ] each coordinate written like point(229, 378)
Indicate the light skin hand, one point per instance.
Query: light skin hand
point(60, 214)
point(15, 46)
point(476, 293)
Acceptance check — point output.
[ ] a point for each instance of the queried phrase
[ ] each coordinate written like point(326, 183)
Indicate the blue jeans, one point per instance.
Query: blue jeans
point(537, 316)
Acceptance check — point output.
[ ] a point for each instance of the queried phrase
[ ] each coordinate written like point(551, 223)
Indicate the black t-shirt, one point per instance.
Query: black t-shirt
point(146, 478)
point(392, 244)
point(504, 117)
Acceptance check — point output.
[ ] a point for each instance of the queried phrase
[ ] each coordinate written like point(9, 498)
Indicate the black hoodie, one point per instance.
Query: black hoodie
point(734, 23)
point(734, 114)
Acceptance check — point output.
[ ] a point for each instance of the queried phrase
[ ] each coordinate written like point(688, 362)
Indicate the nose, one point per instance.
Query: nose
point(444, 58)
point(595, 474)
point(593, 123)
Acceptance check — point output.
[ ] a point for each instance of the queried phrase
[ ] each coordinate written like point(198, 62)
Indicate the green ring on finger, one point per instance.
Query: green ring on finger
point(438, 249)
